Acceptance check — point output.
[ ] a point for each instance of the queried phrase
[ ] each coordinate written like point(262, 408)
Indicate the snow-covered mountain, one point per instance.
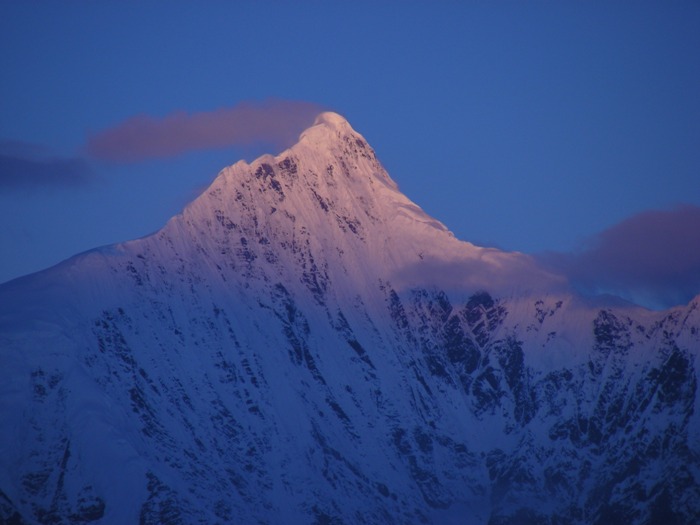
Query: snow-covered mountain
point(303, 344)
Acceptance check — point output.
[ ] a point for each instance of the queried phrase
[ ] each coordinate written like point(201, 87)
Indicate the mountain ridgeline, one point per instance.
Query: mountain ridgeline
point(304, 345)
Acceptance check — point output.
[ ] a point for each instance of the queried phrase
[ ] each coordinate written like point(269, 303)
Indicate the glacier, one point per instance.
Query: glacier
point(303, 344)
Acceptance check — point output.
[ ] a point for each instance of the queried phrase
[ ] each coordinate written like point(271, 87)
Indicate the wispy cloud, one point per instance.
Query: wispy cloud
point(652, 258)
point(498, 272)
point(276, 123)
point(25, 165)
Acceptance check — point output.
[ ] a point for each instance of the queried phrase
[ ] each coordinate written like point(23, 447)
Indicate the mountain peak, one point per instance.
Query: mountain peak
point(328, 128)
point(330, 192)
point(330, 118)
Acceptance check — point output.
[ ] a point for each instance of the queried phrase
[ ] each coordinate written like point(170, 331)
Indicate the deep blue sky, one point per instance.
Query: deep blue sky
point(531, 126)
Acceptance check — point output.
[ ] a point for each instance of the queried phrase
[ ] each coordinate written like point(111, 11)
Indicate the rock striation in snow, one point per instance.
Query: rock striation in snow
point(303, 344)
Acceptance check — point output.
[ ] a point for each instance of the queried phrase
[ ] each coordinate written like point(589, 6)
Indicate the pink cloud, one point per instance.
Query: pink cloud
point(652, 258)
point(277, 123)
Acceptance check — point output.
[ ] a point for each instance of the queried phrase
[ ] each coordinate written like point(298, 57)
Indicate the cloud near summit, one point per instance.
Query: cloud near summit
point(276, 123)
point(652, 258)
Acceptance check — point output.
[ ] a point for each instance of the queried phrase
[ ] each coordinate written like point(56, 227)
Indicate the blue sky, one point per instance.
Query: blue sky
point(530, 126)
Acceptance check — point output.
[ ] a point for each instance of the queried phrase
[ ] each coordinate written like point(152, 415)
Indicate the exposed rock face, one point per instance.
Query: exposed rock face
point(304, 345)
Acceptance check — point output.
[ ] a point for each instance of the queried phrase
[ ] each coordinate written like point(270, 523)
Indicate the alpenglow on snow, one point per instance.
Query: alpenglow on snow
point(303, 344)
